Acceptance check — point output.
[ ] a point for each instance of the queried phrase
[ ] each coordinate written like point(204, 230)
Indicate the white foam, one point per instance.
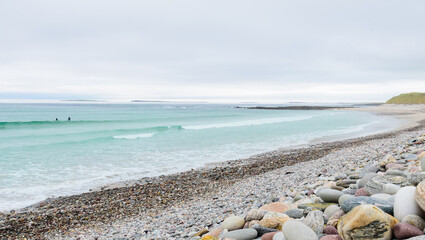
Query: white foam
point(247, 123)
point(135, 136)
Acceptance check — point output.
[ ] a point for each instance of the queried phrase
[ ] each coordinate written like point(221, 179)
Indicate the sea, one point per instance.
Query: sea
point(104, 143)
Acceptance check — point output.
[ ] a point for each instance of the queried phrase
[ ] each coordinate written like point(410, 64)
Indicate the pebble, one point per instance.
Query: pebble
point(404, 230)
point(330, 230)
point(375, 185)
point(279, 236)
point(255, 214)
point(315, 221)
point(361, 192)
point(276, 207)
point(420, 195)
point(233, 223)
point(329, 211)
point(331, 237)
point(294, 230)
point(269, 236)
point(366, 221)
point(241, 234)
point(351, 203)
point(294, 213)
point(414, 220)
point(390, 188)
point(361, 183)
point(343, 198)
point(405, 203)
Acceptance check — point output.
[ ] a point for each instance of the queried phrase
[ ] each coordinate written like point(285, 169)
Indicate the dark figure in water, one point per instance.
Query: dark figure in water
point(69, 118)
point(56, 119)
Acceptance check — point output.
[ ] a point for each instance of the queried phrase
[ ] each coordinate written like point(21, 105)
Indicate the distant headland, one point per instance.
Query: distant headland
point(408, 98)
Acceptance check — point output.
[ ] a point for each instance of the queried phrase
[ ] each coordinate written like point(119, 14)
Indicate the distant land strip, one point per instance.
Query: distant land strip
point(295, 107)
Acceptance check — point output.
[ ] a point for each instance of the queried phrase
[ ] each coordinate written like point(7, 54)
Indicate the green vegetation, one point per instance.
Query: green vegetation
point(408, 98)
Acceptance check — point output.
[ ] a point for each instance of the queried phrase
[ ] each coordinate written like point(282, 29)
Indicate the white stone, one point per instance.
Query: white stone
point(329, 211)
point(233, 223)
point(383, 196)
point(295, 230)
point(279, 236)
point(390, 188)
point(241, 234)
point(405, 203)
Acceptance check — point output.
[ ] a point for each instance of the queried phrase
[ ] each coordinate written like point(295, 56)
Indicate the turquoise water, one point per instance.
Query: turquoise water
point(106, 143)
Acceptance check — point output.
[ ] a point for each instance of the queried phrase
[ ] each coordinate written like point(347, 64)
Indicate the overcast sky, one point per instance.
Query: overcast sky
point(243, 50)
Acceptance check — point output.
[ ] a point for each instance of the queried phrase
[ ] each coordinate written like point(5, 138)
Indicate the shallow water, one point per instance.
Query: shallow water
point(105, 143)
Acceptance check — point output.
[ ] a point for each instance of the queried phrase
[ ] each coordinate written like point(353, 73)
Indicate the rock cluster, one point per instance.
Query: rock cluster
point(381, 200)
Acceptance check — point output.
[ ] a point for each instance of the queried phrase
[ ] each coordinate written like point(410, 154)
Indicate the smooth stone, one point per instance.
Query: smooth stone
point(233, 223)
point(216, 232)
point(295, 230)
point(279, 236)
point(404, 230)
point(361, 183)
point(255, 214)
point(396, 173)
point(416, 178)
point(241, 234)
point(375, 185)
point(262, 230)
point(337, 188)
point(405, 203)
point(330, 230)
point(318, 206)
point(368, 169)
point(276, 207)
point(366, 222)
point(269, 223)
point(294, 213)
point(329, 211)
point(333, 220)
point(383, 196)
point(349, 204)
point(330, 195)
point(390, 188)
point(414, 220)
point(315, 221)
point(361, 192)
point(344, 197)
point(417, 238)
point(331, 237)
point(411, 157)
point(420, 195)
point(268, 236)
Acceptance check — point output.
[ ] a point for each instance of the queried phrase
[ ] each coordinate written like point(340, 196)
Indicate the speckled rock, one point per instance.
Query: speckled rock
point(361, 192)
point(361, 183)
point(329, 211)
point(343, 198)
point(315, 221)
point(349, 204)
point(366, 222)
point(233, 223)
point(368, 169)
point(255, 214)
point(405, 203)
point(269, 223)
point(330, 230)
point(333, 220)
point(295, 230)
point(241, 234)
point(404, 230)
point(420, 195)
point(375, 185)
point(386, 160)
point(414, 220)
point(294, 213)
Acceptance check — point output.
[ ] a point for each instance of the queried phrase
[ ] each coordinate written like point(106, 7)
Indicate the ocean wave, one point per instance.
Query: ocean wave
point(247, 123)
point(134, 136)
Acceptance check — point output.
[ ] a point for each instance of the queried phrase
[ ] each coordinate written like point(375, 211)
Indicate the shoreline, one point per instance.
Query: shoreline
point(72, 212)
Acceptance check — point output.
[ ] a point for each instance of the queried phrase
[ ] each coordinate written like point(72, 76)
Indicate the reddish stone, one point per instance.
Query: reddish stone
point(404, 230)
point(362, 192)
point(268, 236)
point(331, 237)
point(330, 230)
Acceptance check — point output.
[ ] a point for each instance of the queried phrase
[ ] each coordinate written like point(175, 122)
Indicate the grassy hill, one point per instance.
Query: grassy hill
point(408, 98)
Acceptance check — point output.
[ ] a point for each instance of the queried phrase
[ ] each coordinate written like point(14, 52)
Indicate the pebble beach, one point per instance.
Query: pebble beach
point(284, 194)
